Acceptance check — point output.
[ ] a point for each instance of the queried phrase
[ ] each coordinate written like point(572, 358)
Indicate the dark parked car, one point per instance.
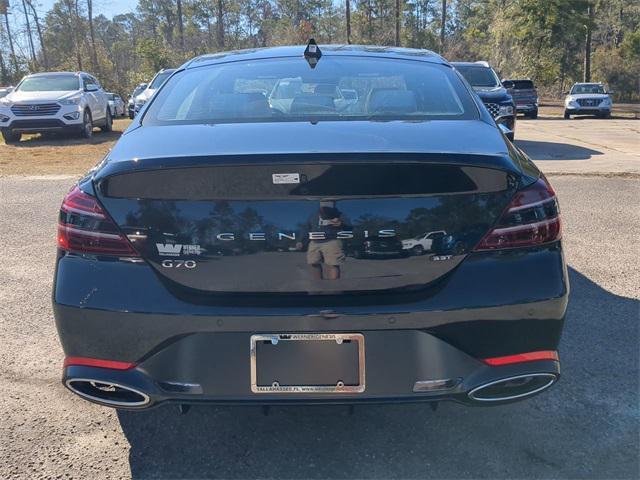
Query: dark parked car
point(525, 95)
point(486, 83)
point(148, 311)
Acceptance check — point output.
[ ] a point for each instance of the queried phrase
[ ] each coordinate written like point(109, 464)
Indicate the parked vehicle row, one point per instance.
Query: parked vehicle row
point(508, 97)
point(144, 96)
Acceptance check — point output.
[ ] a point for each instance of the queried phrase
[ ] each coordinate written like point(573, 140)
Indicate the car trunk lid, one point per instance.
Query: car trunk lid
point(260, 226)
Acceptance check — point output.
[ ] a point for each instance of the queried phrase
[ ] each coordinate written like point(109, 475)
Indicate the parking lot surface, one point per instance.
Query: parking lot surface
point(587, 426)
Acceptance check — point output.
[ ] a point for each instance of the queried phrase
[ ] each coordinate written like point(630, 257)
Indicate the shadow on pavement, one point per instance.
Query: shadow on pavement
point(585, 427)
point(64, 140)
point(555, 151)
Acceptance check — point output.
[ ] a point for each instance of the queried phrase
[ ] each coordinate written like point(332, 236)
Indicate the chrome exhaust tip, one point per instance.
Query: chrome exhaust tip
point(512, 388)
point(107, 393)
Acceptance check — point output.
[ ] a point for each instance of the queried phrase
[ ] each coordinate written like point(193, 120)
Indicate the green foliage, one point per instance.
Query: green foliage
point(539, 39)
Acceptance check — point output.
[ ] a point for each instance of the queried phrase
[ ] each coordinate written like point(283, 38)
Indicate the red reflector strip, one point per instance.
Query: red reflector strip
point(96, 362)
point(522, 357)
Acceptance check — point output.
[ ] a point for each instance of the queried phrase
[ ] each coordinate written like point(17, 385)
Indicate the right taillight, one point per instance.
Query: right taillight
point(532, 218)
point(84, 227)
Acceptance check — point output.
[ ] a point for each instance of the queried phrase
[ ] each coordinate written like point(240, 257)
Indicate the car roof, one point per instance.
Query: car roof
point(588, 83)
point(49, 74)
point(328, 50)
point(471, 64)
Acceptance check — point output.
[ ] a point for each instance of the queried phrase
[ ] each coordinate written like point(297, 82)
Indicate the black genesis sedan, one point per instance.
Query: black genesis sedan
point(203, 260)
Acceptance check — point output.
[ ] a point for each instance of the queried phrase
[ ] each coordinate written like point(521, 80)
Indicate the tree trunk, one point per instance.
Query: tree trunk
point(180, 25)
point(443, 25)
point(397, 14)
point(39, 30)
point(220, 25)
point(94, 52)
point(370, 20)
point(29, 34)
point(4, 75)
point(14, 59)
point(587, 45)
point(348, 14)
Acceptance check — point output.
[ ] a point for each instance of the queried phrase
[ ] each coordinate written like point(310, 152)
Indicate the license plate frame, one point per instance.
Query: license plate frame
point(336, 337)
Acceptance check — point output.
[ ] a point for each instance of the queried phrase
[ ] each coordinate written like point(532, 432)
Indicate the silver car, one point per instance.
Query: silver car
point(116, 105)
point(588, 99)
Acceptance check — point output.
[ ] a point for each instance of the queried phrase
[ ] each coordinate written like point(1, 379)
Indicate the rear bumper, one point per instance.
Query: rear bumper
point(526, 107)
point(494, 304)
point(400, 366)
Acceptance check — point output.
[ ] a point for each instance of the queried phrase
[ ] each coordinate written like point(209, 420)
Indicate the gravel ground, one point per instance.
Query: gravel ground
point(587, 426)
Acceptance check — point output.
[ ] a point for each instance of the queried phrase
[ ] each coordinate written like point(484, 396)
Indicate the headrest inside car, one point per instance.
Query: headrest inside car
point(391, 100)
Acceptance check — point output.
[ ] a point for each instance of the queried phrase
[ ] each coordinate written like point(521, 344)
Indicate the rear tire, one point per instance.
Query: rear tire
point(567, 115)
point(11, 137)
point(108, 123)
point(87, 125)
point(533, 115)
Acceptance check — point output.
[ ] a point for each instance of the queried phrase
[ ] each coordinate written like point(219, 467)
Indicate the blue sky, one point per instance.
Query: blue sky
point(108, 8)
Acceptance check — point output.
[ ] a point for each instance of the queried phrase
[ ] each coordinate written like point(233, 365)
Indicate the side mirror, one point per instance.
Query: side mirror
point(91, 88)
point(610, 92)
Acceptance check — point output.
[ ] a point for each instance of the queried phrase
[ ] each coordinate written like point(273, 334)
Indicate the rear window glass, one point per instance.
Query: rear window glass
point(479, 76)
point(523, 84)
point(49, 83)
point(160, 79)
point(339, 88)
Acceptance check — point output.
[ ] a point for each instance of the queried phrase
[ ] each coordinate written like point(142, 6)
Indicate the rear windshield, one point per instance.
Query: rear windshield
point(578, 89)
point(479, 76)
point(523, 84)
point(287, 89)
point(138, 91)
point(159, 80)
point(49, 83)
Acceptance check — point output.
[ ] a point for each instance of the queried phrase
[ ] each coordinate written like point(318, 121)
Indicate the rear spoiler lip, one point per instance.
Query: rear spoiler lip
point(497, 162)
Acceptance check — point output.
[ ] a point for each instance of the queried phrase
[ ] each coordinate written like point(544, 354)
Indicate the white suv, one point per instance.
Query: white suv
point(422, 243)
point(55, 102)
point(588, 99)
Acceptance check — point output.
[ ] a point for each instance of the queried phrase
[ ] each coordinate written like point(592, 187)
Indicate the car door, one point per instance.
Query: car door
point(98, 109)
point(101, 97)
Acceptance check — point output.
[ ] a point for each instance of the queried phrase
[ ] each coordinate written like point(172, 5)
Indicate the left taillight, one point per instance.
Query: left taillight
point(532, 218)
point(84, 227)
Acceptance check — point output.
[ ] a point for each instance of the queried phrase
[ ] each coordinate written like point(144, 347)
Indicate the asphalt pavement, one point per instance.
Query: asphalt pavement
point(586, 426)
